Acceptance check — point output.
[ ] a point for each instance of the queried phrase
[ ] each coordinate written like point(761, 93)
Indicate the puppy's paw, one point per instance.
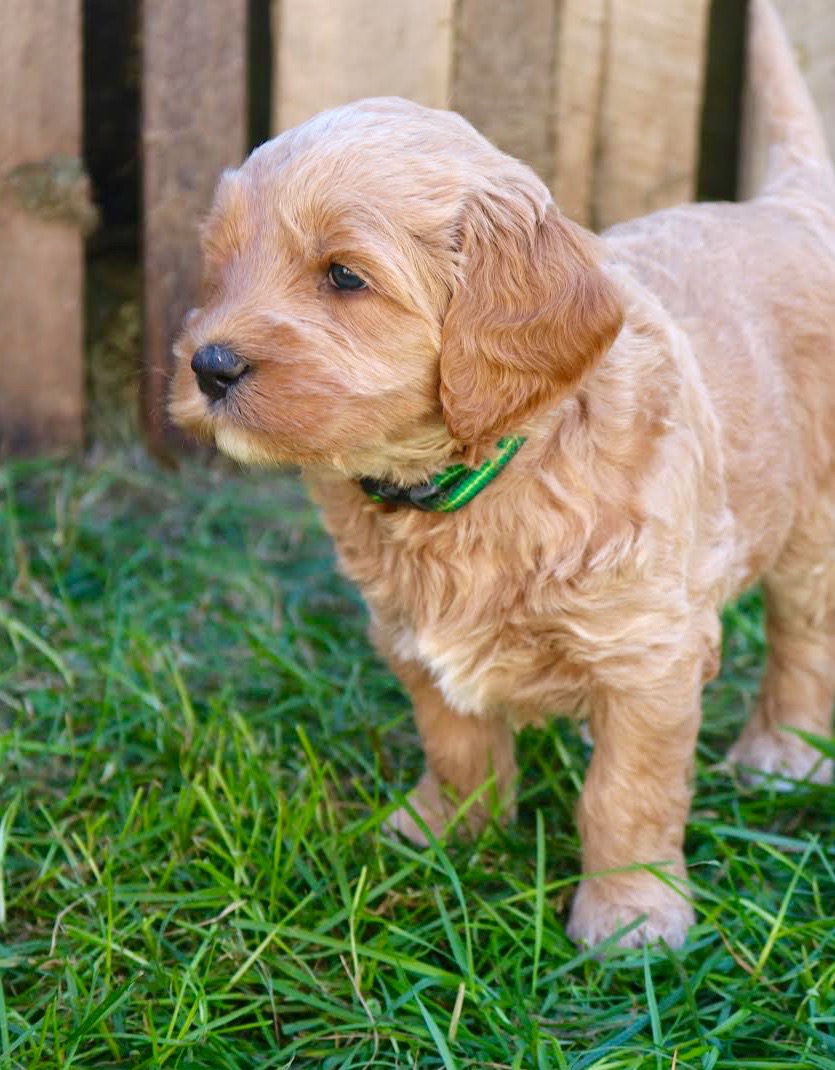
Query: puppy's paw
point(603, 905)
point(438, 808)
point(781, 757)
point(428, 801)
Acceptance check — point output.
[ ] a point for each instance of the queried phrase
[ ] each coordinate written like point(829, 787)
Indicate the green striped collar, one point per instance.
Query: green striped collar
point(448, 490)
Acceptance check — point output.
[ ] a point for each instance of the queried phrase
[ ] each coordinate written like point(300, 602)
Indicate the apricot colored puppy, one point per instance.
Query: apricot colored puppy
point(392, 303)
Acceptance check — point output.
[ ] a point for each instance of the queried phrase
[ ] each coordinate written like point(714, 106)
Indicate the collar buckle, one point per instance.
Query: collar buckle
point(421, 496)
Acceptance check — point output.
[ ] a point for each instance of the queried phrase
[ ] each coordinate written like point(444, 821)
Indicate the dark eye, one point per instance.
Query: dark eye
point(343, 279)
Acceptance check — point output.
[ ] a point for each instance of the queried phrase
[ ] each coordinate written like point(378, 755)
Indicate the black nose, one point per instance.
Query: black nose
point(216, 368)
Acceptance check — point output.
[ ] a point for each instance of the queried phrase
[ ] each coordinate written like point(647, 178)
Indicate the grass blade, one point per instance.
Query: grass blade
point(539, 904)
point(437, 1036)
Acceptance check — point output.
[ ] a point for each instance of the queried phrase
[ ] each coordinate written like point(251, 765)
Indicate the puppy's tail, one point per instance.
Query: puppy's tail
point(779, 102)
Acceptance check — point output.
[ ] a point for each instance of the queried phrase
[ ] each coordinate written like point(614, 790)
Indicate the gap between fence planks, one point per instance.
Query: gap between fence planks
point(810, 26)
point(43, 209)
point(194, 122)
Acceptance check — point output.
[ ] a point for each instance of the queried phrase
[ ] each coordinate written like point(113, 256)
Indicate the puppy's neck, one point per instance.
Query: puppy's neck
point(412, 460)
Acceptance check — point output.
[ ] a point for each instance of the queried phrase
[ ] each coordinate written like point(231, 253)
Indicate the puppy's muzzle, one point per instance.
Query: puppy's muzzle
point(217, 368)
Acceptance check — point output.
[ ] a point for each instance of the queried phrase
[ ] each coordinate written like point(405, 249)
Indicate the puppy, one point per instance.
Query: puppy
point(547, 459)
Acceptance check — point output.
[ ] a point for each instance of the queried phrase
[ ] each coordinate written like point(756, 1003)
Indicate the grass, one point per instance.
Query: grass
point(198, 751)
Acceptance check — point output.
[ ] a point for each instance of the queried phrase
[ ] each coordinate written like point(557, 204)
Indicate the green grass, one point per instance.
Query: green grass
point(198, 751)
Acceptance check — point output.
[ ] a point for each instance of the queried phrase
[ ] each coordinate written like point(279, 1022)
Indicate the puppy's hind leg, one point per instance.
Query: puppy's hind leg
point(798, 688)
point(463, 752)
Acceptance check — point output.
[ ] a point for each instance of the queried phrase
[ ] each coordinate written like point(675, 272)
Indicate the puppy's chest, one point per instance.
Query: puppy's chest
point(491, 667)
point(488, 636)
point(499, 624)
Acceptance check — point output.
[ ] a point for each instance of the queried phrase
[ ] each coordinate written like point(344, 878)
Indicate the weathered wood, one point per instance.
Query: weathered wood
point(651, 106)
point(579, 83)
point(328, 54)
point(194, 125)
point(504, 76)
point(810, 26)
point(43, 209)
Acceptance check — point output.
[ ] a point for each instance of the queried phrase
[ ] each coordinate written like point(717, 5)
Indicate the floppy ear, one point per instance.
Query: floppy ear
point(532, 314)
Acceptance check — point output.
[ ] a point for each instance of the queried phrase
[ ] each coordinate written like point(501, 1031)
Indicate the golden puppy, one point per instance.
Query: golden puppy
point(393, 304)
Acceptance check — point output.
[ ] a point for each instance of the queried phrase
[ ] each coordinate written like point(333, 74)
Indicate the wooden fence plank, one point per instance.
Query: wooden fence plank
point(329, 54)
point(194, 121)
point(43, 208)
point(504, 78)
point(651, 107)
point(579, 84)
point(810, 26)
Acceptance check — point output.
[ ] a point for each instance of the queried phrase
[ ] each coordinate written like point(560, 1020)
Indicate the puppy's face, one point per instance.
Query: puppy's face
point(378, 288)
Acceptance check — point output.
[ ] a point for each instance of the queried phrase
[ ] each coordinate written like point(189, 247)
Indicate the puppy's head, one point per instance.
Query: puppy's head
point(384, 289)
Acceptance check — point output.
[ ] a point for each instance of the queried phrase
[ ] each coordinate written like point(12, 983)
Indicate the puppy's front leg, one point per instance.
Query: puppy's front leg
point(462, 753)
point(633, 809)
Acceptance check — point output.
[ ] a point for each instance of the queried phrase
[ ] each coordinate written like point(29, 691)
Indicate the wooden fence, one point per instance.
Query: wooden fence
point(602, 97)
